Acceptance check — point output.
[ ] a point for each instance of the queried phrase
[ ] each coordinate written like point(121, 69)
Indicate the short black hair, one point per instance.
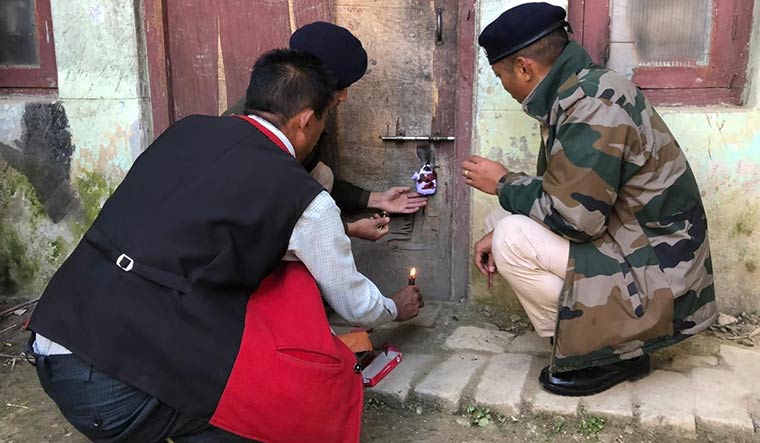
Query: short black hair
point(545, 50)
point(284, 82)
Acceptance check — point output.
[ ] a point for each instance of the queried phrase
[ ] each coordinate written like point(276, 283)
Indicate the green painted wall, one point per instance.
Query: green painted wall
point(721, 143)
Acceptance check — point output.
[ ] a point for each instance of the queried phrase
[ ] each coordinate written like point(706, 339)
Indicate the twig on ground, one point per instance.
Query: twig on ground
point(9, 311)
point(17, 406)
point(749, 336)
point(9, 328)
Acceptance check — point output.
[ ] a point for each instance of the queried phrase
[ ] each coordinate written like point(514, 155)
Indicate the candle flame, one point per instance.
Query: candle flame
point(413, 273)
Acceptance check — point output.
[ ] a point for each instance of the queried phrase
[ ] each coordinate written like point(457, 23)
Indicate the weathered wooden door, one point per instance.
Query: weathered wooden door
point(416, 86)
point(419, 83)
point(200, 52)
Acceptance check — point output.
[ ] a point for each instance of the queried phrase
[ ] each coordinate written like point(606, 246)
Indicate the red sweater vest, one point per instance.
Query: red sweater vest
point(293, 380)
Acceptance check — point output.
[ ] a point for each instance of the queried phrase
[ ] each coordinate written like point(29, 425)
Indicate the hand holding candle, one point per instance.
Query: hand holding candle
point(408, 300)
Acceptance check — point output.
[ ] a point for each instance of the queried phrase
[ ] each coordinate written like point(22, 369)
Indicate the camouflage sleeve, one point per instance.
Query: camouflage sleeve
point(578, 190)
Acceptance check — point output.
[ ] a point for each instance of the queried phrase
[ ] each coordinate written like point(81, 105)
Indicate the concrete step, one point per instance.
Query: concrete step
point(542, 402)
point(445, 384)
point(502, 383)
point(397, 385)
point(666, 402)
point(720, 406)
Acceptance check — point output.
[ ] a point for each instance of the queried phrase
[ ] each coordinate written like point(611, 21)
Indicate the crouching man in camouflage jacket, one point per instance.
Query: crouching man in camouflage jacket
point(606, 247)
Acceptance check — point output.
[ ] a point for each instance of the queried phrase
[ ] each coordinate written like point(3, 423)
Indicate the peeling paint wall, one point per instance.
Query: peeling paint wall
point(61, 156)
point(721, 143)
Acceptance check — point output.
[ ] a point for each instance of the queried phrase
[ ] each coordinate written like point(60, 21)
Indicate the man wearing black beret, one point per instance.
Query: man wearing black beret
point(343, 54)
point(606, 245)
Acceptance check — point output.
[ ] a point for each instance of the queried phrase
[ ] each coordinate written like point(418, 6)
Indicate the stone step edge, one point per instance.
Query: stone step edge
point(468, 395)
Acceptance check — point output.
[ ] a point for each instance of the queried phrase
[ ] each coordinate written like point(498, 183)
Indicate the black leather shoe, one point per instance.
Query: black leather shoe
point(594, 380)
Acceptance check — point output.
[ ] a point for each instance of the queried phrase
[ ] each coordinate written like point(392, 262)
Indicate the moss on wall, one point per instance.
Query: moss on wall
point(17, 268)
point(93, 190)
point(58, 248)
point(19, 210)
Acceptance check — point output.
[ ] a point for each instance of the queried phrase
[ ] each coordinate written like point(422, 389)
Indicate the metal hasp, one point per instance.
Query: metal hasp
point(417, 138)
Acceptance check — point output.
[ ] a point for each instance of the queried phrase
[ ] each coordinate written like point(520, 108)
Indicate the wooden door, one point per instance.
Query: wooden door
point(419, 82)
point(200, 52)
point(411, 89)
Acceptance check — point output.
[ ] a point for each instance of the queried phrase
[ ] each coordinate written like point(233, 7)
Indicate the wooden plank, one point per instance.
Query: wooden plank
point(694, 96)
point(460, 226)
point(680, 77)
point(444, 118)
point(245, 34)
point(310, 11)
point(192, 40)
point(158, 59)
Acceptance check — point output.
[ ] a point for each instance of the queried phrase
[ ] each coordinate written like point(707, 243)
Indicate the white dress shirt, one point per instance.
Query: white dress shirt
point(320, 242)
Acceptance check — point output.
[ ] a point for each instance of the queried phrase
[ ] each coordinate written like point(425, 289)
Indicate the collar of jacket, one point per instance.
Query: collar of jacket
point(539, 102)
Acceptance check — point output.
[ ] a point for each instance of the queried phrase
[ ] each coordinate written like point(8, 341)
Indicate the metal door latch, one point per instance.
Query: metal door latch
point(417, 138)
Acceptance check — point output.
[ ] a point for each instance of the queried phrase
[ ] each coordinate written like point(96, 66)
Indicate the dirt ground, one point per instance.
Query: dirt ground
point(27, 415)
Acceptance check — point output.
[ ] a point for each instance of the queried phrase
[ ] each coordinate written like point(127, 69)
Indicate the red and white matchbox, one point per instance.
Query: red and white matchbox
point(376, 365)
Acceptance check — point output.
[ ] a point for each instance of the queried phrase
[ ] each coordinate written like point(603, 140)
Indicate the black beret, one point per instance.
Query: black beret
point(338, 49)
point(518, 27)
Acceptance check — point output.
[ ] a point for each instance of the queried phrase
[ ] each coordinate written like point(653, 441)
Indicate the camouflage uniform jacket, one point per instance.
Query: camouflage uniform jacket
point(613, 180)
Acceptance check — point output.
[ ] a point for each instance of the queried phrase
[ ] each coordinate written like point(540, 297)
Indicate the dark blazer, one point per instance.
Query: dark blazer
point(204, 214)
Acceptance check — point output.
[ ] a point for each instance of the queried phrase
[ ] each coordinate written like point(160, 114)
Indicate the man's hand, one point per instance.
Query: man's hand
point(372, 229)
point(482, 173)
point(408, 303)
point(484, 257)
point(398, 200)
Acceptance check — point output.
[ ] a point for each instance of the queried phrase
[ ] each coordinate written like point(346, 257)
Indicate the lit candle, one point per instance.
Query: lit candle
point(412, 276)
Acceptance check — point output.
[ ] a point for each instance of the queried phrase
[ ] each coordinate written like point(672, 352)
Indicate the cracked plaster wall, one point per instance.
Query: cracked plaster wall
point(61, 156)
point(721, 143)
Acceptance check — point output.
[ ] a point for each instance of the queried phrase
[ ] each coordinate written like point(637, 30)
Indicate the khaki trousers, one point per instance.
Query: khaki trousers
point(533, 260)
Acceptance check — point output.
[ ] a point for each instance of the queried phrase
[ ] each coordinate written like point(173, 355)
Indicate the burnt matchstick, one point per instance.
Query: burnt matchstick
point(412, 276)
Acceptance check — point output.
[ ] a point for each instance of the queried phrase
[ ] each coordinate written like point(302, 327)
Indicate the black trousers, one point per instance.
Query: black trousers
point(106, 410)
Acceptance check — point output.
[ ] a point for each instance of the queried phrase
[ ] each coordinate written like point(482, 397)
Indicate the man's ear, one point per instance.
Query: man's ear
point(303, 119)
point(523, 69)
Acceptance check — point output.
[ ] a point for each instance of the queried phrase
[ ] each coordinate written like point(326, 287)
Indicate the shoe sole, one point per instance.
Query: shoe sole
point(572, 393)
